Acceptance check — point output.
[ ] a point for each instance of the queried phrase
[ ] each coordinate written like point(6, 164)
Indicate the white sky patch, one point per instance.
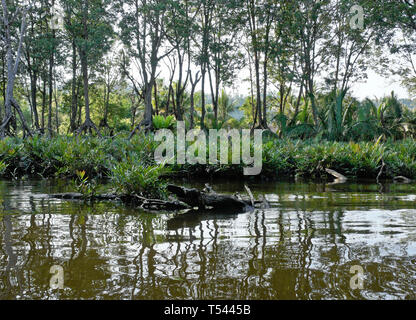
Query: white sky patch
point(378, 86)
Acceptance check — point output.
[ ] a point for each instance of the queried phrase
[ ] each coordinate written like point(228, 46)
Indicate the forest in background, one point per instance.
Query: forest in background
point(101, 66)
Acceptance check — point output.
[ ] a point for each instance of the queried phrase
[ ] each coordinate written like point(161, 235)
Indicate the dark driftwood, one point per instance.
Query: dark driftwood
point(79, 196)
point(203, 200)
point(148, 204)
point(188, 199)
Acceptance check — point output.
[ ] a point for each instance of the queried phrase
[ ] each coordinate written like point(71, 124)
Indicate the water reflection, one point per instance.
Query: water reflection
point(302, 248)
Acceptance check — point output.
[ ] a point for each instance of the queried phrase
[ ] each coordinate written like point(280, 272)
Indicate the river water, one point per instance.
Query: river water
point(309, 245)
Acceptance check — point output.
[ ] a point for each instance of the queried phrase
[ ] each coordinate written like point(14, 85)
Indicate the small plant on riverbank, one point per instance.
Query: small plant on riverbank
point(3, 167)
point(87, 187)
point(133, 178)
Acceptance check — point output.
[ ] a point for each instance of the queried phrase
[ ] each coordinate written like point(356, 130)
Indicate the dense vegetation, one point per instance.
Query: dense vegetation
point(111, 68)
point(130, 167)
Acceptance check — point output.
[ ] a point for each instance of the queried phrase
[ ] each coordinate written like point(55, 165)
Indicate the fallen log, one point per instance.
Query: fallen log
point(148, 204)
point(79, 196)
point(188, 199)
point(204, 200)
point(155, 204)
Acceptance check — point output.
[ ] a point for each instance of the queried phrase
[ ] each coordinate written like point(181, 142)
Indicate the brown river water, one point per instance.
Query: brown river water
point(305, 246)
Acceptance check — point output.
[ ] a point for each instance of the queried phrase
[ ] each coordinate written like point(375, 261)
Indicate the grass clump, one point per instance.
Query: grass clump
point(87, 187)
point(161, 122)
point(134, 178)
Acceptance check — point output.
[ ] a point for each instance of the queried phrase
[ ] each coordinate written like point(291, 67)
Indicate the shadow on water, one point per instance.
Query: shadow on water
point(301, 248)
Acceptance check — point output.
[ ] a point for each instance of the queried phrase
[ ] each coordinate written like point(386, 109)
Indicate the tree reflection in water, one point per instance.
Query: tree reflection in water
point(302, 248)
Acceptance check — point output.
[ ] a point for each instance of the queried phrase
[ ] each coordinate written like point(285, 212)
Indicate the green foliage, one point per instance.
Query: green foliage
point(87, 187)
point(161, 122)
point(3, 167)
point(357, 160)
point(10, 156)
point(134, 178)
point(64, 156)
point(130, 166)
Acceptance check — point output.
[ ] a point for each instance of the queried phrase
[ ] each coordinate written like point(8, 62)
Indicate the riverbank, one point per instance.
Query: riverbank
point(131, 162)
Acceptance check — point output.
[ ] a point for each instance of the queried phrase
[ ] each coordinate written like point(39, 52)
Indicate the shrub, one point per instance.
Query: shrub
point(133, 178)
point(161, 122)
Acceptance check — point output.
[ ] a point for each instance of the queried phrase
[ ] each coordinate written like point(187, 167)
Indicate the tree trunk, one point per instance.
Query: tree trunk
point(74, 102)
point(56, 112)
point(147, 121)
point(156, 99)
point(12, 69)
point(193, 87)
point(3, 77)
point(203, 99)
point(43, 105)
point(88, 125)
point(50, 83)
point(79, 107)
point(33, 89)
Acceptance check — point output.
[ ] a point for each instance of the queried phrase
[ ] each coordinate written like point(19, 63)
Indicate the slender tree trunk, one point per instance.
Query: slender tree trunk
point(88, 124)
point(253, 111)
point(43, 105)
point(84, 68)
point(56, 111)
point(264, 122)
point(156, 99)
point(202, 124)
point(12, 69)
point(50, 83)
point(33, 89)
point(193, 87)
point(179, 89)
point(3, 79)
point(79, 115)
point(104, 120)
point(74, 102)
point(214, 95)
point(50, 80)
point(311, 95)
point(258, 88)
point(295, 114)
point(133, 111)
